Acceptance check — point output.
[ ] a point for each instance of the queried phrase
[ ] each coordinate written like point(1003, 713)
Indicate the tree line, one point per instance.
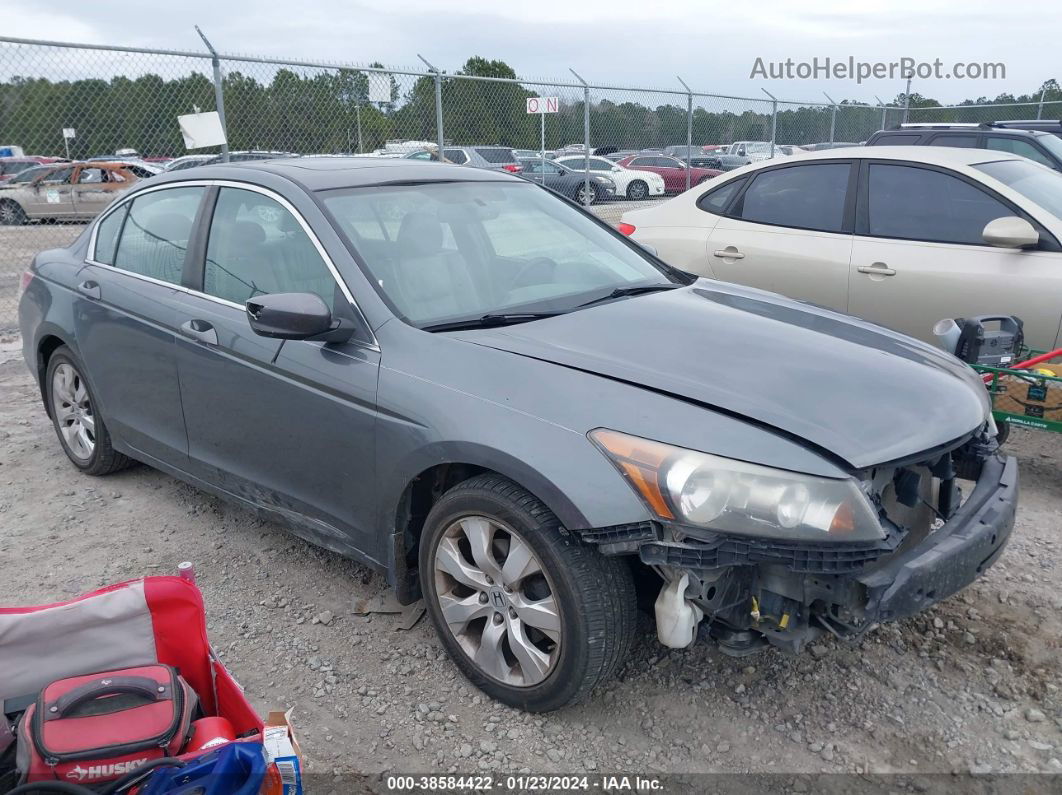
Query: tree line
point(315, 111)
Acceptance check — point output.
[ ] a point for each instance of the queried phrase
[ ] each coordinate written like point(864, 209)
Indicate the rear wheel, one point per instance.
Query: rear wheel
point(637, 190)
point(11, 213)
point(528, 613)
point(587, 194)
point(78, 425)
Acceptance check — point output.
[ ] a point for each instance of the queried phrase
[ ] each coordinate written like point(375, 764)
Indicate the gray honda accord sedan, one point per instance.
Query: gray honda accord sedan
point(516, 414)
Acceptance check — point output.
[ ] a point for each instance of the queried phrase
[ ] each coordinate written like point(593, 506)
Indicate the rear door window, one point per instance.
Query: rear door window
point(107, 236)
point(715, 201)
point(913, 203)
point(961, 141)
point(455, 156)
point(803, 197)
point(897, 139)
point(154, 238)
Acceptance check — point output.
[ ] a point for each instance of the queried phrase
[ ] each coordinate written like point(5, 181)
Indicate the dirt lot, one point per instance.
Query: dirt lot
point(971, 685)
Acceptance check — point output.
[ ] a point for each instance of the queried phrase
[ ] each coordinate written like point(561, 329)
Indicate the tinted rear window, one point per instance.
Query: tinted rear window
point(497, 155)
point(896, 139)
point(804, 197)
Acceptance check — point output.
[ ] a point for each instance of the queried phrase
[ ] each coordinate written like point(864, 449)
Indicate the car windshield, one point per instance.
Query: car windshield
point(1052, 144)
point(443, 252)
point(1037, 183)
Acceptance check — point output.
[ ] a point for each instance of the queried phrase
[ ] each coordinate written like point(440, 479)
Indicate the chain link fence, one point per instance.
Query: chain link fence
point(87, 101)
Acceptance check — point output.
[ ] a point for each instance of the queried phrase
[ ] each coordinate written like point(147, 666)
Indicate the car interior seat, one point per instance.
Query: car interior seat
point(432, 282)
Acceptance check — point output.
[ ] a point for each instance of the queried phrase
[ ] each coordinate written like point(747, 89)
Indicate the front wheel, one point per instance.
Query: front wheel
point(587, 194)
point(637, 190)
point(530, 615)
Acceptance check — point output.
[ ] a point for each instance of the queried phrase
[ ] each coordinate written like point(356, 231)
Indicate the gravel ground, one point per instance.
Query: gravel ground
point(972, 685)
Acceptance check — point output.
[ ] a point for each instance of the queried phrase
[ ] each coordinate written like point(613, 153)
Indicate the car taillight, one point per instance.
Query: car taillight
point(626, 229)
point(511, 168)
point(24, 282)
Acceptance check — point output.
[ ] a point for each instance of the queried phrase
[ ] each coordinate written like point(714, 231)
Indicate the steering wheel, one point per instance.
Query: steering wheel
point(530, 267)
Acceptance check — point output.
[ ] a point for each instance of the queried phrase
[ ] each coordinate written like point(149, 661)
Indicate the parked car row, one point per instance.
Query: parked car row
point(65, 191)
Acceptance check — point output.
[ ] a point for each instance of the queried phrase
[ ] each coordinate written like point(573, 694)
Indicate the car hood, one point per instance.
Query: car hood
point(860, 392)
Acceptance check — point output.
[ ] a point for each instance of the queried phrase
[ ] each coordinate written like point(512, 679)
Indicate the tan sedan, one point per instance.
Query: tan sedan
point(70, 191)
point(901, 236)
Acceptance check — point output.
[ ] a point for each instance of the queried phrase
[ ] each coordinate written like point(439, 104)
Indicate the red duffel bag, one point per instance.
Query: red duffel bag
point(96, 728)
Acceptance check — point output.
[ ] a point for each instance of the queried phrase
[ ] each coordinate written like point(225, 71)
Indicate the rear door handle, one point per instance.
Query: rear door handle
point(200, 331)
point(729, 253)
point(90, 289)
point(878, 269)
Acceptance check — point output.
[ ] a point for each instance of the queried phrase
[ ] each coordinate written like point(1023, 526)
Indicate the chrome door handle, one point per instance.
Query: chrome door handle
point(876, 270)
point(200, 331)
point(729, 253)
point(90, 289)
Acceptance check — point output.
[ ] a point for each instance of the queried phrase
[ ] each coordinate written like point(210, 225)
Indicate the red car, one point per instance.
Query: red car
point(10, 166)
point(671, 169)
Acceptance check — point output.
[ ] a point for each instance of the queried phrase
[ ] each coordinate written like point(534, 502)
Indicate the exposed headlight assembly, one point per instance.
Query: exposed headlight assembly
point(731, 496)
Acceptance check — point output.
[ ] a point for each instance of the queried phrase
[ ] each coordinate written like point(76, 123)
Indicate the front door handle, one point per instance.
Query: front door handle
point(90, 289)
point(877, 269)
point(729, 253)
point(200, 331)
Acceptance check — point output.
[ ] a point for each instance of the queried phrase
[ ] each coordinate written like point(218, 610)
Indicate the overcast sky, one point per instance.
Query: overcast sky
point(712, 45)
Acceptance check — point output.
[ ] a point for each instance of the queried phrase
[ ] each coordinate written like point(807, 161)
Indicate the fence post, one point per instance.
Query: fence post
point(774, 118)
point(884, 111)
point(219, 93)
point(1040, 108)
point(438, 104)
point(907, 102)
point(833, 116)
point(586, 133)
point(689, 130)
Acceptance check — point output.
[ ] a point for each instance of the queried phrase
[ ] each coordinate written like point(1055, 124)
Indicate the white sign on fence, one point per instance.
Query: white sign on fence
point(543, 104)
point(379, 87)
point(69, 132)
point(201, 129)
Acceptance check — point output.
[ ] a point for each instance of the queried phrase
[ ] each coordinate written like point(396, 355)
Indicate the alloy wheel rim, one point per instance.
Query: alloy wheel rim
point(639, 191)
point(73, 412)
point(497, 601)
point(585, 196)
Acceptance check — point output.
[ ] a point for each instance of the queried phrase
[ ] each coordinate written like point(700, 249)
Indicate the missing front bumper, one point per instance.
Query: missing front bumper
point(789, 594)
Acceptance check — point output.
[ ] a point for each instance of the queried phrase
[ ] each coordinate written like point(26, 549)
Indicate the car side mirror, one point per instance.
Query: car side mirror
point(650, 249)
point(1010, 232)
point(296, 316)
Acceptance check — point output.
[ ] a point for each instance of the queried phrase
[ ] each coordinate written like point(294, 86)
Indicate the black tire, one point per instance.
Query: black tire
point(104, 459)
point(637, 190)
point(1002, 432)
point(594, 594)
point(11, 213)
point(584, 198)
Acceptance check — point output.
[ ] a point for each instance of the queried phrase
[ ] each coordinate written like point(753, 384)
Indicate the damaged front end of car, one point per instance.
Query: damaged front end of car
point(768, 557)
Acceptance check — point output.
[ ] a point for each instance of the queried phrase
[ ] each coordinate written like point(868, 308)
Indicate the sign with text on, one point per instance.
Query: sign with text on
point(543, 104)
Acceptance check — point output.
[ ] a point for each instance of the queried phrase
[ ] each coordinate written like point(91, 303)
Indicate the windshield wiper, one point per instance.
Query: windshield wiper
point(622, 292)
point(490, 320)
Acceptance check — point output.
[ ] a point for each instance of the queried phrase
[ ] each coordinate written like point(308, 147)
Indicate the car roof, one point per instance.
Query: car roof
point(326, 173)
point(933, 155)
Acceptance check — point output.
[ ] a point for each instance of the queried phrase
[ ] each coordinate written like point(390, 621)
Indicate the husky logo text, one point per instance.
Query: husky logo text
point(79, 773)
